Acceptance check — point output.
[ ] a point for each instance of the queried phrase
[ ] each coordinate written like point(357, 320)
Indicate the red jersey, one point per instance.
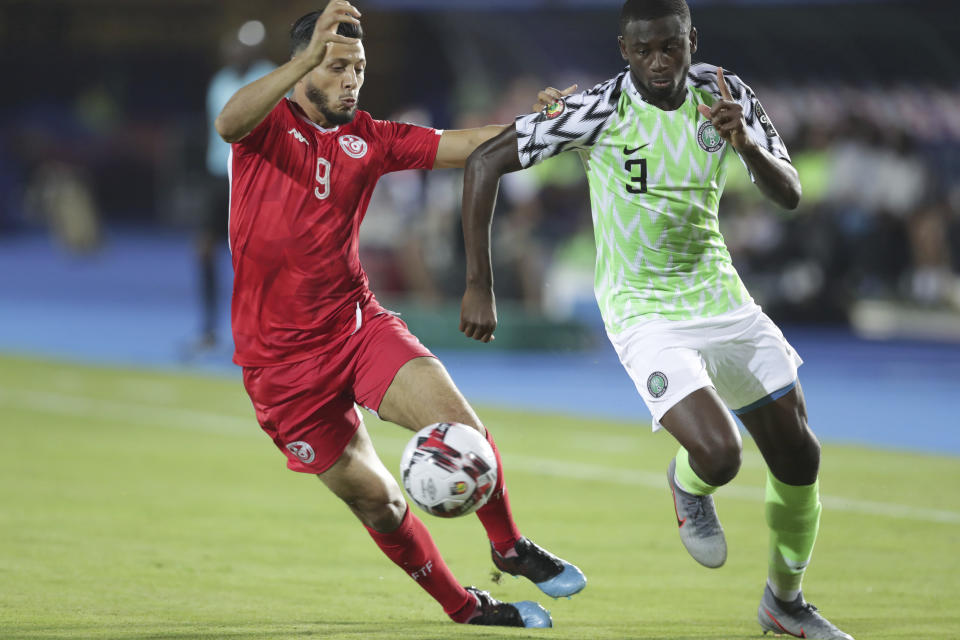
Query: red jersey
point(298, 193)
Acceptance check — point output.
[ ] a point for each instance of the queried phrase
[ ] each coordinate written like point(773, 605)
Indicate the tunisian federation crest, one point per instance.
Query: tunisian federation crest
point(353, 146)
point(302, 450)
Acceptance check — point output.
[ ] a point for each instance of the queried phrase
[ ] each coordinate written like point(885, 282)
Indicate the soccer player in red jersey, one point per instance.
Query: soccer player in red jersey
point(312, 339)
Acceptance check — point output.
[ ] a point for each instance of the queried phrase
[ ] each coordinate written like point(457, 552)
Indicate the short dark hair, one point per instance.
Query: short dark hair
point(302, 31)
point(651, 10)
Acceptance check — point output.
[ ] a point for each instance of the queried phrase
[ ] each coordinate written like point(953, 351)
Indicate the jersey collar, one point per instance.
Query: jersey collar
point(635, 94)
point(631, 88)
point(300, 114)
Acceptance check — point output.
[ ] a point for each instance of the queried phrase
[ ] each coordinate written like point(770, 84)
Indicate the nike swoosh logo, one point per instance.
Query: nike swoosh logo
point(628, 151)
point(789, 633)
point(672, 491)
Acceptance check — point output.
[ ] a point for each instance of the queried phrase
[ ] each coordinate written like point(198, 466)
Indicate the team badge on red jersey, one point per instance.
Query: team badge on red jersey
point(353, 146)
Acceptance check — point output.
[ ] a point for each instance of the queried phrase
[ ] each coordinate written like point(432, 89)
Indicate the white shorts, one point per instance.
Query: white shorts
point(741, 353)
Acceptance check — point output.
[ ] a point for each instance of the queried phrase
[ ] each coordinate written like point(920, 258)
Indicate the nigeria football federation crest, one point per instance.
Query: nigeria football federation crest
point(708, 138)
point(657, 384)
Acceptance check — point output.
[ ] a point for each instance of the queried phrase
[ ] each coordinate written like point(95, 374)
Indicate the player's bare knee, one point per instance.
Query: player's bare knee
point(465, 415)
point(388, 516)
point(797, 463)
point(808, 457)
point(384, 513)
point(723, 469)
point(719, 464)
point(800, 454)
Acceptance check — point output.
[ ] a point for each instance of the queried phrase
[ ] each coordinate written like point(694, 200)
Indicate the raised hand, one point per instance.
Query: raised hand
point(727, 116)
point(325, 31)
point(550, 95)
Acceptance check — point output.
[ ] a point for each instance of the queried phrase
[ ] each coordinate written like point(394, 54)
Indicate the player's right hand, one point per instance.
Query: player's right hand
point(726, 115)
point(478, 313)
point(550, 95)
point(325, 31)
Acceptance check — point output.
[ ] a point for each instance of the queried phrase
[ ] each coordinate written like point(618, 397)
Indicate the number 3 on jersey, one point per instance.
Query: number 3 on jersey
point(323, 177)
point(637, 171)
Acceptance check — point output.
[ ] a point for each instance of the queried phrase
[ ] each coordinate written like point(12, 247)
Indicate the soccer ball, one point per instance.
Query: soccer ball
point(448, 469)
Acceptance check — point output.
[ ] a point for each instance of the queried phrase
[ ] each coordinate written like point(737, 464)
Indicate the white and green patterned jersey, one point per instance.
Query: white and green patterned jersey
point(655, 182)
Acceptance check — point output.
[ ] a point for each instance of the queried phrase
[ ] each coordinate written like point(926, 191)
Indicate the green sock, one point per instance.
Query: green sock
point(688, 479)
point(793, 515)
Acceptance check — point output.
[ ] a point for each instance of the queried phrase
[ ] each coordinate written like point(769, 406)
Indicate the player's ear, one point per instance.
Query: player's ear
point(623, 48)
point(693, 40)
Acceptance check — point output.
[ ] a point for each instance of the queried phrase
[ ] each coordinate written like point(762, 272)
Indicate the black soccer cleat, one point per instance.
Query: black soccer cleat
point(492, 612)
point(554, 576)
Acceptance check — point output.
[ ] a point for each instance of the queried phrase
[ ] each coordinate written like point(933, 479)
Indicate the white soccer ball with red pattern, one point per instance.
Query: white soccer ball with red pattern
point(448, 469)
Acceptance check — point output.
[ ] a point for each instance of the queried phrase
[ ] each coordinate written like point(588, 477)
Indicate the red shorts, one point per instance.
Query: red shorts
point(308, 407)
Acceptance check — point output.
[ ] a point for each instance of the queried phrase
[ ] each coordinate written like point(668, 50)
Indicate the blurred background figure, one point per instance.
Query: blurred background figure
point(59, 197)
point(409, 229)
point(242, 54)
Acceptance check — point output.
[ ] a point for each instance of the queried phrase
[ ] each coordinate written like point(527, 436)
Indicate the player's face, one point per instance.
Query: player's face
point(330, 92)
point(659, 54)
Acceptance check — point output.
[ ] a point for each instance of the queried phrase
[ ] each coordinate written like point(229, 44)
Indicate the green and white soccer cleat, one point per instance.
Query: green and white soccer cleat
point(700, 529)
point(799, 619)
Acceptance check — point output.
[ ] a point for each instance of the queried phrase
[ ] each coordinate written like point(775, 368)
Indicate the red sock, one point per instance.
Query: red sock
point(496, 516)
point(412, 549)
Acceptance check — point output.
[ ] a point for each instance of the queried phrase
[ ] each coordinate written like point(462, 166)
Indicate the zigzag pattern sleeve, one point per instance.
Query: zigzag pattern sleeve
point(578, 126)
point(759, 125)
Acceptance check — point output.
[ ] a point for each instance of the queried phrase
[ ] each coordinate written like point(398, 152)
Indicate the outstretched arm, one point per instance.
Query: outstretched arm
point(776, 178)
point(492, 159)
point(252, 103)
point(456, 146)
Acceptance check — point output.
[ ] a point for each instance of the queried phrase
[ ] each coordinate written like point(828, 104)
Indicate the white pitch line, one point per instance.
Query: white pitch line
point(128, 413)
point(753, 494)
point(235, 425)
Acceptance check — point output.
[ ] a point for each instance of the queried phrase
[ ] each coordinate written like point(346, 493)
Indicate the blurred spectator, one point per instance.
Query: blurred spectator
point(408, 238)
point(59, 195)
point(58, 149)
point(115, 138)
point(870, 225)
point(241, 55)
point(931, 282)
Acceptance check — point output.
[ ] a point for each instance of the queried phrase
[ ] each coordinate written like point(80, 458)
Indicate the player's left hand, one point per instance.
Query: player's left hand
point(726, 115)
point(550, 95)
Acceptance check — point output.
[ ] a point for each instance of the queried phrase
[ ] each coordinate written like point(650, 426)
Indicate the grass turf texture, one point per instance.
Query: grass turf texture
point(146, 505)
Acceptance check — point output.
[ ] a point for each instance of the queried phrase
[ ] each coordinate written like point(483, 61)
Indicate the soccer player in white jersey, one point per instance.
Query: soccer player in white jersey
point(655, 141)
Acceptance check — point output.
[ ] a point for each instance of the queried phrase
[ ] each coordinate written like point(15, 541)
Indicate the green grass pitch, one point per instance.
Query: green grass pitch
point(148, 505)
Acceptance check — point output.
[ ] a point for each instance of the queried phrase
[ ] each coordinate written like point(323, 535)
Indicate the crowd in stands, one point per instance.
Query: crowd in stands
point(879, 218)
